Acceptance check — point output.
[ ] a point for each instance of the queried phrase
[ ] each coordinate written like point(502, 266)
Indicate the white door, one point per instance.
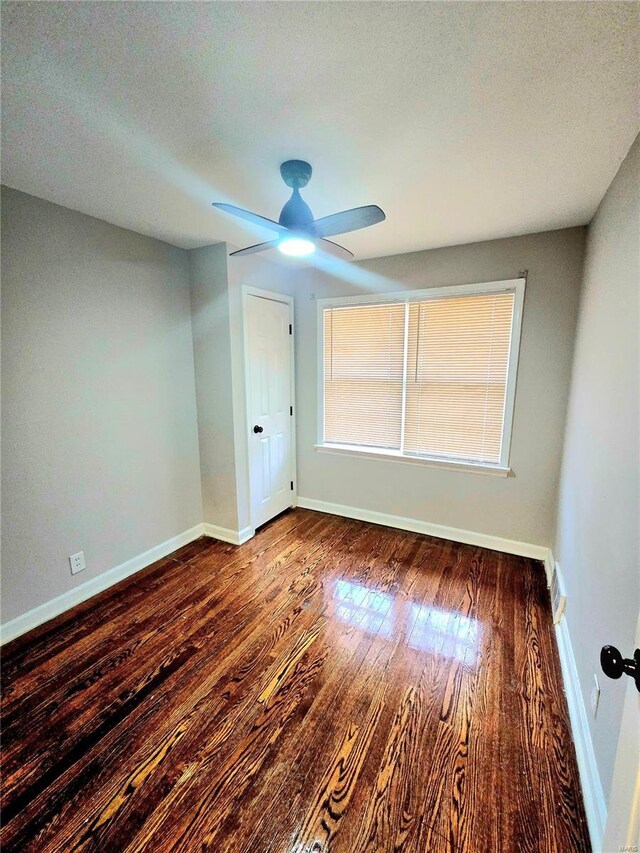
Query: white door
point(269, 403)
point(623, 816)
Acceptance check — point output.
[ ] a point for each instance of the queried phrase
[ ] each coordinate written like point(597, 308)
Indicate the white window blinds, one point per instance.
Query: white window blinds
point(363, 375)
point(457, 376)
point(423, 378)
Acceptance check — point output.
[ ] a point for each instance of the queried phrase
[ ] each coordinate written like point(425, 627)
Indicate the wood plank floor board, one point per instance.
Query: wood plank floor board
point(341, 563)
point(303, 772)
point(173, 716)
point(136, 719)
point(173, 609)
point(329, 685)
point(53, 637)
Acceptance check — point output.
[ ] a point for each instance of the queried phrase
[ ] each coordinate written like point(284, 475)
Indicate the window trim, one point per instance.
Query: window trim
point(513, 285)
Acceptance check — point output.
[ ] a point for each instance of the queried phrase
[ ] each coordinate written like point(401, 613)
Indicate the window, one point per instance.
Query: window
point(429, 376)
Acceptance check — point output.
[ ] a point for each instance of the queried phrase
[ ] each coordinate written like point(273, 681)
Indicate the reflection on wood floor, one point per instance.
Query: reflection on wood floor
point(329, 685)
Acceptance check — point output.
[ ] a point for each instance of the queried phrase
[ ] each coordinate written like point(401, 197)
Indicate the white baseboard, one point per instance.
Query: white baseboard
point(549, 566)
point(455, 534)
point(226, 534)
point(592, 793)
point(245, 534)
point(21, 624)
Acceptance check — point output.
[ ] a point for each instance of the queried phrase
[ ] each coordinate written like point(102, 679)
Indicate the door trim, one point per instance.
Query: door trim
point(595, 805)
point(247, 291)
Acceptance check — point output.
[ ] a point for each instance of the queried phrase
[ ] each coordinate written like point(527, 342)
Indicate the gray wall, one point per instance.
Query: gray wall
point(521, 507)
point(599, 512)
point(218, 345)
point(99, 437)
point(214, 390)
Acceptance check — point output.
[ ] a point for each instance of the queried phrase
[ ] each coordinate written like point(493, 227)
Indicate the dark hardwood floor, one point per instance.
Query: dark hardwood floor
point(329, 685)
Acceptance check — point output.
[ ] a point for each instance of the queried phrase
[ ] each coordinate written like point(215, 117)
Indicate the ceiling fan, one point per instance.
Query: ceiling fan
point(298, 232)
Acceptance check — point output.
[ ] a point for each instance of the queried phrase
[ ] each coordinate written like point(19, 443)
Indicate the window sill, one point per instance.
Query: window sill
point(452, 465)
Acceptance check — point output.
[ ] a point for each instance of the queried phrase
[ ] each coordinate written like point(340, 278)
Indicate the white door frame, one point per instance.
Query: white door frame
point(247, 291)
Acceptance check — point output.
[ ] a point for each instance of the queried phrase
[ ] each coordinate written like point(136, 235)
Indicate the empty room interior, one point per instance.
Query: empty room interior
point(320, 427)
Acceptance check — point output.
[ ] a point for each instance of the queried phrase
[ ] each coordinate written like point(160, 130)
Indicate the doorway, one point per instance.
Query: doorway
point(623, 816)
point(268, 333)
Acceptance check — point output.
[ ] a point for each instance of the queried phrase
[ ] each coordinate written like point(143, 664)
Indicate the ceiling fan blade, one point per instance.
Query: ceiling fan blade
point(259, 247)
point(349, 220)
point(254, 218)
point(334, 249)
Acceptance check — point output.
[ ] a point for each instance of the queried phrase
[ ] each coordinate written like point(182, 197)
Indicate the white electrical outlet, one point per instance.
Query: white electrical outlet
point(595, 696)
point(76, 561)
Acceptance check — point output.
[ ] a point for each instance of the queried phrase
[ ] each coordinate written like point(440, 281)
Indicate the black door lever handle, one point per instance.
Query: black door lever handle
point(615, 666)
point(257, 428)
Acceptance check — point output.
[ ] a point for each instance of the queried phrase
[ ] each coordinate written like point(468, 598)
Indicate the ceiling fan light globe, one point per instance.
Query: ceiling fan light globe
point(296, 247)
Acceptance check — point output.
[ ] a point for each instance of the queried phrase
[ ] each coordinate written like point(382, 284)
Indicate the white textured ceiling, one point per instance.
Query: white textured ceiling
point(463, 121)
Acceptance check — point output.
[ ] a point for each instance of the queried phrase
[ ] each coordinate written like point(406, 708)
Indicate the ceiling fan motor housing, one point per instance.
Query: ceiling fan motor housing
point(296, 215)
